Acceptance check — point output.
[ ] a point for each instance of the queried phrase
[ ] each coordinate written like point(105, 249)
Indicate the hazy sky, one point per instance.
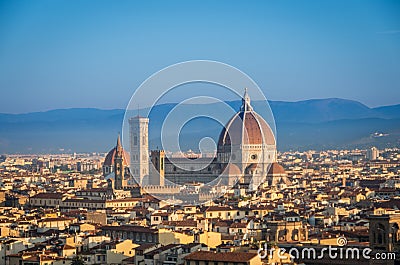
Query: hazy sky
point(62, 54)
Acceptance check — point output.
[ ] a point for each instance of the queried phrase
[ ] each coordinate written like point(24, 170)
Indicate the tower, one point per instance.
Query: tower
point(372, 153)
point(139, 148)
point(384, 234)
point(158, 171)
point(119, 170)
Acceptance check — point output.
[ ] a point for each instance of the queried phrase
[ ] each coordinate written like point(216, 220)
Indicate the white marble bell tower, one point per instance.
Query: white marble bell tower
point(139, 148)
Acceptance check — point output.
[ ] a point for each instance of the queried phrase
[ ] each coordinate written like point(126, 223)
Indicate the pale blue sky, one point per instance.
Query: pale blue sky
point(63, 54)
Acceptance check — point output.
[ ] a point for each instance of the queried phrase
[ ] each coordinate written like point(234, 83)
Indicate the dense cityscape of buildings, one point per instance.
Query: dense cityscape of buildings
point(54, 207)
point(109, 208)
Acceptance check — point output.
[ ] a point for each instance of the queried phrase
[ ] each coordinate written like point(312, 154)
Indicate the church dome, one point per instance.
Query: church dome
point(110, 157)
point(276, 169)
point(109, 160)
point(232, 170)
point(246, 128)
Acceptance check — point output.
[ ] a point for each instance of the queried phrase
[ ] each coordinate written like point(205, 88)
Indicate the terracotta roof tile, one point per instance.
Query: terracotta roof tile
point(222, 257)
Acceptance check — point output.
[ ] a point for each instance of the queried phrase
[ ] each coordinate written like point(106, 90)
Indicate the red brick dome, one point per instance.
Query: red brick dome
point(109, 160)
point(232, 170)
point(110, 157)
point(276, 169)
point(246, 127)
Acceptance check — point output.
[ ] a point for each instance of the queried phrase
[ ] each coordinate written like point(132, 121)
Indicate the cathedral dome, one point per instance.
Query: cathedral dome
point(276, 169)
point(246, 128)
point(110, 157)
point(232, 170)
point(109, 160)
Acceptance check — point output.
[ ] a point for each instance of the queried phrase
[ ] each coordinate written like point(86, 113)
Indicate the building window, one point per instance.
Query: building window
point(135, 140)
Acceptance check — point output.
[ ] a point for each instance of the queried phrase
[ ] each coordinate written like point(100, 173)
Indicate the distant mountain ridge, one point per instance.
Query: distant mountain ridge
point(317, 110)
point(310, 124)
